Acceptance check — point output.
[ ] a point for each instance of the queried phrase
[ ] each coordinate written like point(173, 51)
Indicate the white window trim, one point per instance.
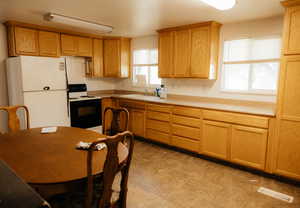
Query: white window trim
point(249, 91)
point(150, 86)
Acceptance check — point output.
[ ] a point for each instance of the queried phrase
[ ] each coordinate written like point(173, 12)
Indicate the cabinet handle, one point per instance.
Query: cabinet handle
point(46, 88)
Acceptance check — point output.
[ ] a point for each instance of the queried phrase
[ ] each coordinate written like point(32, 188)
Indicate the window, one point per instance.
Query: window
point(145, 68)
point(251, 65)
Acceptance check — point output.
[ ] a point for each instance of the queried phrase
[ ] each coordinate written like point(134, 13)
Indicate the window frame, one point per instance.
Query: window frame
point(250, 62)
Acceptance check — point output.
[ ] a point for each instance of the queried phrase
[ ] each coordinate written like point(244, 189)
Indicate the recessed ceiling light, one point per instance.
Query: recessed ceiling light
point(75, 22)
point(221, 4)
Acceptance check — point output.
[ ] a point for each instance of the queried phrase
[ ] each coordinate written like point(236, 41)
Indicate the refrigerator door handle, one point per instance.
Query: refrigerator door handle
point(46, 88)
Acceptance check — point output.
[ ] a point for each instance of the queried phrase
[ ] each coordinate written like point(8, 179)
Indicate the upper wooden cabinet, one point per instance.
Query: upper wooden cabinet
point(292, 29)
point(26, 41)
point(49, 44)
point(76, 46)
point(189, 51)
point(116, 57)
point(165, 60)
point(97, 67)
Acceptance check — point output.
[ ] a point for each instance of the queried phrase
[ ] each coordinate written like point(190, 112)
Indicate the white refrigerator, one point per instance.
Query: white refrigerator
point(40, 84)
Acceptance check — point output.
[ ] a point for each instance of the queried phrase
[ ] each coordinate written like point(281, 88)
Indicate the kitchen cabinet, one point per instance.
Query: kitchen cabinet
point(189, 51)
point(292, 30)
point(288, 155)
point(138, 122)
point(216, 139)
point(26, 41)
point(105, 103)
point(68, 45)
point(249, 146)
point(182, 49)
point(49, 44)
point(117, 57)
point(165, 52)
point(97, 66)
point(76, 46)
point(85, 47)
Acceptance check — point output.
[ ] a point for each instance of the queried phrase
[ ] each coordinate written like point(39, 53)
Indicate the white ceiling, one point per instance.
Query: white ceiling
point(137, 17)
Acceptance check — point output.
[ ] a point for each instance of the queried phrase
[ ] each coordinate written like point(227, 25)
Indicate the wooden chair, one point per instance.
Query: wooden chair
point(13, 120)
point(115, 125)
point(99, 187)
point(112, 166)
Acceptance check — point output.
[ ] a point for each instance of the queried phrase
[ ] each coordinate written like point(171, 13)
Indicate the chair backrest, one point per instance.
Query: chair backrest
point(13, 120)
point(118, 115)
point(112, 166)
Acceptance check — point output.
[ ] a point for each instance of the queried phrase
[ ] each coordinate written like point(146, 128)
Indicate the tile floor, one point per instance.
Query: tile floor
point(163, 178)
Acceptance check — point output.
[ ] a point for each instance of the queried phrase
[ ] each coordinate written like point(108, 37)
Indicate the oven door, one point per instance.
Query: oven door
point(86, 113)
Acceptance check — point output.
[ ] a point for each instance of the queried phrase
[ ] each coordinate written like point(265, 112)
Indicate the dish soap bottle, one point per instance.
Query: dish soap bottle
point(163, 92)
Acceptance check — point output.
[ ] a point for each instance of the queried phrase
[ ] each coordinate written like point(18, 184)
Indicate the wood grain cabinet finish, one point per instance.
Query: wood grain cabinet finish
point(292, 30)
point(288, 154)
point(182, 49)
point(290, 88)
point(138, 122)
point(249, 146)
point(69, 45)
point(117, 57)
point(165, 52)
point(185, 143)
point(26, 41)
point(98, 68)
point(189, 51)
point(49, 44)
point(85, 47)
point(216, 139)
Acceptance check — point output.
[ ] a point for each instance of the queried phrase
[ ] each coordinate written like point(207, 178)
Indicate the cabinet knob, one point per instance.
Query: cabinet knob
point(46, 88)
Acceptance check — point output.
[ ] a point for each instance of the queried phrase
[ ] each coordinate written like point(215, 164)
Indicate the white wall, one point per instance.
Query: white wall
point(3, 87)
point(207, 88)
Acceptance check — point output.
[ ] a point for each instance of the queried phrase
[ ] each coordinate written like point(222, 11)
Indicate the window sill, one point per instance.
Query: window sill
point(261, 93)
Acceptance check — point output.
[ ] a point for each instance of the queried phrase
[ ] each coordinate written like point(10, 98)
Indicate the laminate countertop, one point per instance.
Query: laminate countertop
point(248, 107)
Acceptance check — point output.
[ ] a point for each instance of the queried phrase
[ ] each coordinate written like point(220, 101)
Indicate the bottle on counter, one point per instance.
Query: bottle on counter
point(163, 92)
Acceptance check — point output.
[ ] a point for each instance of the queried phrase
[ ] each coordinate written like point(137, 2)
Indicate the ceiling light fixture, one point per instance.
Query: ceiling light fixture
point(221, 4)
point(75, 22)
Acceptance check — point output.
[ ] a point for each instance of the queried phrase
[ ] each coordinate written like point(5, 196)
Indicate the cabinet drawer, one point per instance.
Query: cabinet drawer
point(186, 131)
point(236, 118)
point(158, 136)
point(131, 104)
point(186, 111)
point(159, 108)
point(185, 143)
point(193, 122)
point(158, 116)
point(158, 125)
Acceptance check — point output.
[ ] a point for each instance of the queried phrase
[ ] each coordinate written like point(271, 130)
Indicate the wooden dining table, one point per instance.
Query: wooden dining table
point(50, 162)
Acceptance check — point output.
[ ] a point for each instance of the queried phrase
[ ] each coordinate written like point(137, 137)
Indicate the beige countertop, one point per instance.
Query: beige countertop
point(257, 108)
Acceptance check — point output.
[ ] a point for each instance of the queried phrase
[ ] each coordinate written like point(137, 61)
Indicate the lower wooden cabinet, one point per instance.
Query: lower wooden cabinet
point(158, 136)
point(216, 139)
point(249, 146)
point(185, 143)
point(138, 122)
point(288, 152)
point(105, 103)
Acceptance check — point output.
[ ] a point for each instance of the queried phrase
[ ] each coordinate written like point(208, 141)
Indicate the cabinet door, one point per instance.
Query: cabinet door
point(85, 47)
point(292, 31)
point(216, 139)
point(138, 122)
point(200, 55)
point(182, 49)
point(26, 41)
point(112, 58)
point(69, 45)
point(125, 57)
point(249, 146)
point(165, 60)
point(289, 89)
point(49, 44)
point(97, 58)
point(289, 149)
